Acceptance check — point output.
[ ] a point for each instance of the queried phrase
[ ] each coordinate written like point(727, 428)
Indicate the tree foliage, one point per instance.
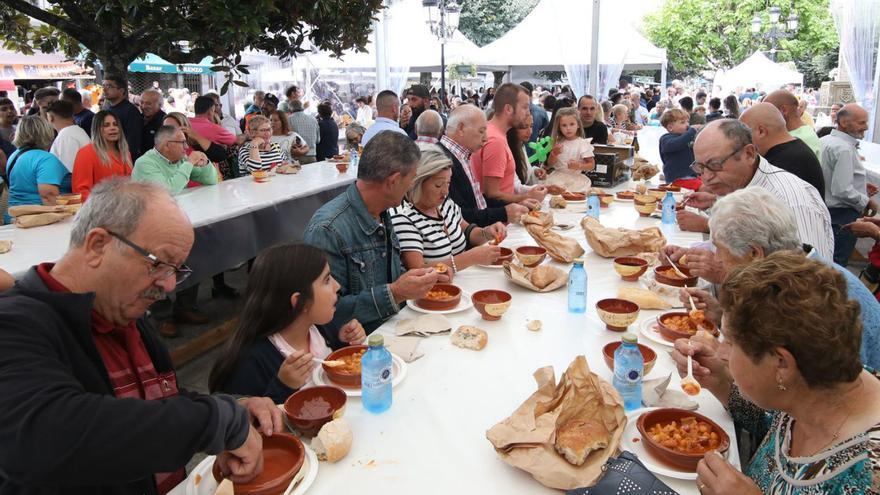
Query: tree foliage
point(484, 21)
point(117, 32)
point(716, 34)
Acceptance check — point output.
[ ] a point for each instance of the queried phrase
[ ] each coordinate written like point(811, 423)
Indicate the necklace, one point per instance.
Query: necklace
point(836, 434)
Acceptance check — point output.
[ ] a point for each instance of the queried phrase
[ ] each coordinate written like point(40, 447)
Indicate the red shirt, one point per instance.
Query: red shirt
point(495, 159)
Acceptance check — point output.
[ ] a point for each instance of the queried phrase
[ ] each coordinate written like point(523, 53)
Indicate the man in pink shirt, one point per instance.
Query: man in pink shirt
point(493, 165)
point(203, 122)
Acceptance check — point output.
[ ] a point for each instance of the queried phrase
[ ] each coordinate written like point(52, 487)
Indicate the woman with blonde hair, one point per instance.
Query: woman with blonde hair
point(106, 156)
point(260, 153)
point(35, 176)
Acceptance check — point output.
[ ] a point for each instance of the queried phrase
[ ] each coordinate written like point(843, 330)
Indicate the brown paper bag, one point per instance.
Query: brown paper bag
point(560, 248)
point(520, 276)
point(525, 439)
point(40, 219)
point(18, 211)
point(610, 242)
point(571, 180)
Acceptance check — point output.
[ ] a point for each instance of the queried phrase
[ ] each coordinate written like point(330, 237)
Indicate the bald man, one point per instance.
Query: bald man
point(771, 137)
point(846, 184)
point(787, 104)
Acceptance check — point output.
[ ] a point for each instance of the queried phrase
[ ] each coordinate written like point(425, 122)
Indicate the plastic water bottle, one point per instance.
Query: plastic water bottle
point(629, 366)
point(354, 158)
point(376, 376)
point(593, 206)
point(668, 209)
point(577, 287)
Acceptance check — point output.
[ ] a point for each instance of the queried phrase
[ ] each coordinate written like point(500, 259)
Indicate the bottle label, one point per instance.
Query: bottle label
point(633, 376)
point(379, 378)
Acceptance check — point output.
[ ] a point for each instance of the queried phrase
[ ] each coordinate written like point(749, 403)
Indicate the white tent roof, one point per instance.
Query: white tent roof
point(761, 72)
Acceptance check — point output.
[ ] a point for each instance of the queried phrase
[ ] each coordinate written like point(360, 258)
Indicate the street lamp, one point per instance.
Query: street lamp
point(442, 22)
point(777, 30)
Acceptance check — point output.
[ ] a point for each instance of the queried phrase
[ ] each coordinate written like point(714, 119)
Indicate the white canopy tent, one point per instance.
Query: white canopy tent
point(760, 72)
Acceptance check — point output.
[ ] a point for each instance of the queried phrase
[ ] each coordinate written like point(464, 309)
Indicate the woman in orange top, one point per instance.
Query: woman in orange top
point(106, 156)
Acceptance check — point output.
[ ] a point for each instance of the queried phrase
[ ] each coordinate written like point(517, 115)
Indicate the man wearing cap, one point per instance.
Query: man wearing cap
point(419, 98)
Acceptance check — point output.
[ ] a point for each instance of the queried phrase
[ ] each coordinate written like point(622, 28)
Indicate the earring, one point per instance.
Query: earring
point(781, 386)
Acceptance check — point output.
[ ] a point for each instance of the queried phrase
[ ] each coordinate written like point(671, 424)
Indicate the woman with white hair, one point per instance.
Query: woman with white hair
point(430, 227)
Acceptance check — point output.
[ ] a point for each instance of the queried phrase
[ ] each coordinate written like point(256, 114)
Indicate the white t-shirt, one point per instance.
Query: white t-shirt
point(574, 149)
point(67, 143)
point(364, 115)
point(285, 142)
point(436, 238)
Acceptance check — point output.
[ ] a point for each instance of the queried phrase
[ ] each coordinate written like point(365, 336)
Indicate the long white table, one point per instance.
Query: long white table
point(240, 213)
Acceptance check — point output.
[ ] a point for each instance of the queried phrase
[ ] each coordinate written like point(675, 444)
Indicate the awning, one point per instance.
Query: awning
point(14, 65)
point(155, 64)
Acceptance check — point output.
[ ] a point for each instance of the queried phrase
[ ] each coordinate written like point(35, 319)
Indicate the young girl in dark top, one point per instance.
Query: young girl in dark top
point(290, 290)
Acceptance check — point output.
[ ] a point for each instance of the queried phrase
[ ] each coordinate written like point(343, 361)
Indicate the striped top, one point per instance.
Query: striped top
point(813, 219)
point(269, 159)
point(436, 238)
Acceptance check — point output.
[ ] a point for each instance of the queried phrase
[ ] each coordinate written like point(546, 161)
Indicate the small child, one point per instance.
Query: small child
point(571, 150)
point(677, 149)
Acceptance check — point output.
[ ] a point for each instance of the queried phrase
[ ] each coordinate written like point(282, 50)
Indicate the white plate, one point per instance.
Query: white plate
point(491, 266)
point(398, 373)
point(464, 304)
point(575, 201)
point(207, 485)
point(649, 329)
point(655, 466)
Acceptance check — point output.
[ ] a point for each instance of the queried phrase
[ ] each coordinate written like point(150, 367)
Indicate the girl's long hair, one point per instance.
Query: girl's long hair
point(519, 156)
point(103, 147)
point(566, 112)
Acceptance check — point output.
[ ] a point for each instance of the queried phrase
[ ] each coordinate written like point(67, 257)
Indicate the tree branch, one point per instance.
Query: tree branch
point(49, 18)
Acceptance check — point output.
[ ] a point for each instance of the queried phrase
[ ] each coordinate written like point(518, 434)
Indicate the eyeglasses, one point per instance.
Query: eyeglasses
point(714, 165)
point(159, 270)
point(175, 141)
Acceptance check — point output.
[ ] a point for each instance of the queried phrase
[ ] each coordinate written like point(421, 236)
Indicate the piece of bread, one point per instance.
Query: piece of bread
point(469, 337)
point(333, 441)
point(5, 246)
point(578, 437)
point(543, 276)
point(643, 297)
point(558, 202)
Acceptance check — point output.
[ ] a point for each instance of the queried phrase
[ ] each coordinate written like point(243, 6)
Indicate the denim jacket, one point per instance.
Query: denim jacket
point(356, 247)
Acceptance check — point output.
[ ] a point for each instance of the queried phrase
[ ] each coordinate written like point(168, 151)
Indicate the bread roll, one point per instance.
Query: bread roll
point(643, 297)
point(333, 441)
point(469, 337)
point(543, 276)
point(5, 246)
point(578, 437)
point(558, 202)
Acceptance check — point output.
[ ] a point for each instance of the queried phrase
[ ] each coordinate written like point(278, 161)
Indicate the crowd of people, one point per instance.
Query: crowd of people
point(435, 185)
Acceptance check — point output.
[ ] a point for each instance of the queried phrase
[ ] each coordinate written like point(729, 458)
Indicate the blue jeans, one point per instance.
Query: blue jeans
point(844, 240)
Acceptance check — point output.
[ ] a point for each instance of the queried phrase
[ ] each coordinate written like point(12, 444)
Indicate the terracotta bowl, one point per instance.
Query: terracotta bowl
point(491, 303)
point(617, 314)
point(531, 256)
point(667, 455)
point(260, 175)
point(506, 255)
point(645, 199)
point(630, 268)
point(645, 209)
point(348, 380)
point(342, 167)
point(444, 303)
point(671, 334)
point(626, 195)
point(669, 187)
point(665, 274)
point(283, 457)
point(309, 421)
point(648, 355)
point(339, 157)
point(572, 196)
point(657, 193)
point(605, 200)
point(68, 199)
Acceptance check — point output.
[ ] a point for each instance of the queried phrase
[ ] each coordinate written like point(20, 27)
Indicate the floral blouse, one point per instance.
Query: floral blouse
point(852, 466)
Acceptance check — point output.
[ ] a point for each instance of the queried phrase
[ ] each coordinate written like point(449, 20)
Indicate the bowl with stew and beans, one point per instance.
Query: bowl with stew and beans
point(349, 374)
point(440, 298)
point(680, 438)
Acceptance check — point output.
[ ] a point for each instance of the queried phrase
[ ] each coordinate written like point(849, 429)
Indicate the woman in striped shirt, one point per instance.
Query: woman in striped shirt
point(260, 153)
point(429, 225)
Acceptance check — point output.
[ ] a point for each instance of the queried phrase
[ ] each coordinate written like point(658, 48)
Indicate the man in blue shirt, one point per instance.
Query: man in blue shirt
point(539, 115)
point(388, 111)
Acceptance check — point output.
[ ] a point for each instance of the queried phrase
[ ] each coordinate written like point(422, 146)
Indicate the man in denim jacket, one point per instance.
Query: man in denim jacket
point(355, 231)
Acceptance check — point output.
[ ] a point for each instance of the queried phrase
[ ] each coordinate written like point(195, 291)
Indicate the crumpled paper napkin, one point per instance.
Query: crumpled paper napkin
point(656, 393)
point(423, 326)
point(405, 347)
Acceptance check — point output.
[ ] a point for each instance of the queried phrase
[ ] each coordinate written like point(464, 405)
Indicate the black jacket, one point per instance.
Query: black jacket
point(462, 193)
point(62, 430)
point(132, 123)
point(329, 144)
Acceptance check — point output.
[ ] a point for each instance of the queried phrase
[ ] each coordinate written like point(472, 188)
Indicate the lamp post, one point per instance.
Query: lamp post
point(442, 21)
point(778, 30)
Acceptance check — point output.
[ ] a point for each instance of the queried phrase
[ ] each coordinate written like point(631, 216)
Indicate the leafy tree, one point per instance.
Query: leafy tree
point(484, 21)
point(117, 32)
point(716, 34)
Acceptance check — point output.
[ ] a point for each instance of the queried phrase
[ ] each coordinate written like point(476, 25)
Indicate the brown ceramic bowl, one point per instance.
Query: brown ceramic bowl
point(617, 314)
point(669, 187)
point(605, 200)
point(283, 457)
point(531, 256)
point(657, 193)
point(342, 167)
point(491, 303)
point(260, 175)
point(506, 255)
point(645, 199)
point(626, 195)
point(573, 196)
point(348, 380)
point(630, 268)
point(325, 404)
point(339, 157)
point(645, 209)
point(671, 334)
point(665, 274)
point(648, 355)
point(441, 304)
point(667, 455)
point(69, 199)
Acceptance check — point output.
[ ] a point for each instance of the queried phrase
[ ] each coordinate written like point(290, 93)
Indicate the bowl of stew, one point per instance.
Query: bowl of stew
point(311, 408)
point(681, 325)
point(349, 374)
point(440, 298)
point(665, 274)
point(680, 438)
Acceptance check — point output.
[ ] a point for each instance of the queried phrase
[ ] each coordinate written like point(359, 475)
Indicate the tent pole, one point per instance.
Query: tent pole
point(594, 53)
point(875, 128)
point(379, 44)
point(663, 75)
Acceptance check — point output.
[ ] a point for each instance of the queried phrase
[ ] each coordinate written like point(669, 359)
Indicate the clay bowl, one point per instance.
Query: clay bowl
point(645, 199)
point(665, 274)
point(69, 199)
point(338, 158)
point(350, 380)
point(260, 175)
point(657, 193)
point(617, 314)
point(645, 209)
point(342, 167)
point(572, 196)
point(283, 457)
point(491, 303)
point(667, 455)
point(626, 195)
point(443, 304)
point(671, 334)
point(531, 256)
point(669, 187)
point(648, 355)
point(605, 200)
point(309, 421)
point(630, 268)
point(506, 255)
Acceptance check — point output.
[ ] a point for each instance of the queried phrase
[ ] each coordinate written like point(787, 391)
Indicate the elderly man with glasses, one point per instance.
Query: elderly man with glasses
point(89, 401)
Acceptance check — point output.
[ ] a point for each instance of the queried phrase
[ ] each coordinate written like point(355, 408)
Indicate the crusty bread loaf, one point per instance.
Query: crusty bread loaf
point(578, 437)
point(558, 202)
point(333, 441)
point(643, 297)
point(470, 337)
point(543, 276)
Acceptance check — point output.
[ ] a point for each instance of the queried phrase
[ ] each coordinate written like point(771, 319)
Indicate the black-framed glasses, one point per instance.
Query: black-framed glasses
point(159, 270)
point(178, 142)
point(714, 165)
